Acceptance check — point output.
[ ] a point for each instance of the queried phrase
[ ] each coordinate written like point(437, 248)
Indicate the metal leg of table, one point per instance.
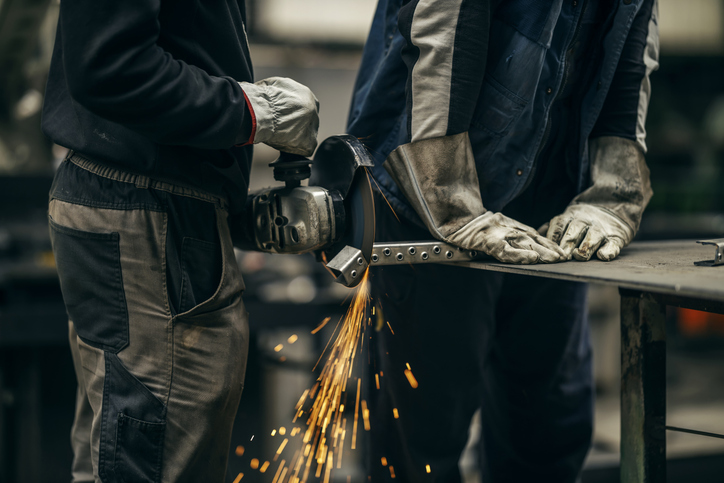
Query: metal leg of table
point(643, 388)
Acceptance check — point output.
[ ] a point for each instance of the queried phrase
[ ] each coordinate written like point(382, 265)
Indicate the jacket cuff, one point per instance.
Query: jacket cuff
point(262, 109)
point(242, 134)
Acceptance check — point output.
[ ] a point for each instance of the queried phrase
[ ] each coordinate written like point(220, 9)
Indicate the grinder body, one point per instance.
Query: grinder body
point(332, 217)
point(295, 220)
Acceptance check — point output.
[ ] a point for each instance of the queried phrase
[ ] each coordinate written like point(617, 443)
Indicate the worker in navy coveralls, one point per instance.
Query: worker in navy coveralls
point(514, 128)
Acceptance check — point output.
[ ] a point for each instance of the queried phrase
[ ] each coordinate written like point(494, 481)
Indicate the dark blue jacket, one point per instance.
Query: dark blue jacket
point(150, 86)
point(421, 77)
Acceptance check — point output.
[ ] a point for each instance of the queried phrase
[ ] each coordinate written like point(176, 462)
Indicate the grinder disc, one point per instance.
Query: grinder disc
point(360, 213)
point(340, 164)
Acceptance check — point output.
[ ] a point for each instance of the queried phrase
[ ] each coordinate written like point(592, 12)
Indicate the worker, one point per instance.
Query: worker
point(157, 104)
point(487, 120)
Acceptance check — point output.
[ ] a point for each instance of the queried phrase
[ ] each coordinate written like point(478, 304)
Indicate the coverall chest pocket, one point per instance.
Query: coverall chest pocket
point(497, 111)
point(89, 269)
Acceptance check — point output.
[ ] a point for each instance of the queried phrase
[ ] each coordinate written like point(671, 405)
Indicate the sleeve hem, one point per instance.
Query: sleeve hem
point(253, 122)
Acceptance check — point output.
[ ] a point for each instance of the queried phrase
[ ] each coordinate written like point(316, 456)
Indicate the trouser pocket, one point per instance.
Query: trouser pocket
point(138, 449)
point(201, 263)
point(133, 428)
point(193, 253)
point(89, 269)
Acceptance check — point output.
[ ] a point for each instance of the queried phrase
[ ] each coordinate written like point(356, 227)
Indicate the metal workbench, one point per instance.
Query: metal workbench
point(650, 276)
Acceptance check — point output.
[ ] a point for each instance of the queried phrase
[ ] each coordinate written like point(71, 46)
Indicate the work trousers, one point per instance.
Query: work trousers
point(515, 347)
point(158, 329)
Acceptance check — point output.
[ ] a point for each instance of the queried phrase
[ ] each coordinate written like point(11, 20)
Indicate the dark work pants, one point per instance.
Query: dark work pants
point(515, 346)
point(158, 329)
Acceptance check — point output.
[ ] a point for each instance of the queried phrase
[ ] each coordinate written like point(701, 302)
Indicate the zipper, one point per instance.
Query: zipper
point(566, 73)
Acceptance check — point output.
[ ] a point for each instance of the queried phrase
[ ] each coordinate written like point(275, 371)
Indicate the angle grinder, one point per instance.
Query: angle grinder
point(334, 216)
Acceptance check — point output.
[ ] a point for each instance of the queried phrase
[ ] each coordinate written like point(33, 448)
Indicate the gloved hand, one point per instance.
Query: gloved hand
point(286, 114)
point(439, 179)
point(604, 218)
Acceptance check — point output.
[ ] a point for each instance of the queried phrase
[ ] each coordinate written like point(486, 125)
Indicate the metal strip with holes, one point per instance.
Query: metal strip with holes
point(396, 253)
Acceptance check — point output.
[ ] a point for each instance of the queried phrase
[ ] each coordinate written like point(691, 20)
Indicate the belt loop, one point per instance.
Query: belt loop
point(142, 182)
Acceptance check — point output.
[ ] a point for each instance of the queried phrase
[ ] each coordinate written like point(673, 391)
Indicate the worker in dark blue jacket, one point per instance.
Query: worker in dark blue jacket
point(487, 120)
point(156, 101)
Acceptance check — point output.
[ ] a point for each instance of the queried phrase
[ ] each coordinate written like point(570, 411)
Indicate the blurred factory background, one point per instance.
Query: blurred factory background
point(318, 43)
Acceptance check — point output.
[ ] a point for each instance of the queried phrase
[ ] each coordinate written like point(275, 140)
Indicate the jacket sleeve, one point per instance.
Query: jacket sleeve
point(116, 69)
point(446, 52)
point(624, 111)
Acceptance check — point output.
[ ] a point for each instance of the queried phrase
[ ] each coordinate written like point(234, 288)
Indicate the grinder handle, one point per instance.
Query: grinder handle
point(291, 168)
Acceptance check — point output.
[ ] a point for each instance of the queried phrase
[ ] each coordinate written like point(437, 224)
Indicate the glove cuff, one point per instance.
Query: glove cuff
point(620, 182)
point(438, 177)
point(262, 111)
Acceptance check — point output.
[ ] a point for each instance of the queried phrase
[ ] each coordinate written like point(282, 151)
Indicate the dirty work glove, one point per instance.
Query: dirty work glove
point(285, 115)
point(604, 218)
point(439, 179)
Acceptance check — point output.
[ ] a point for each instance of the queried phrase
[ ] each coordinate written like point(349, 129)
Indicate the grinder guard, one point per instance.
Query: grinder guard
point(340, 165)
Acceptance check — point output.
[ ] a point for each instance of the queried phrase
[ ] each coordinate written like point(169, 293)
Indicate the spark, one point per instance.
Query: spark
point(319, 470)
point(298, 465)
point(252, 438)
point(384, 461)
point(330, 465)
point(239, 451)
point(292, 338)
point(320, 326)
point(341, 444)
point(395, 413)
point(282, 430)
point(427, 468)
point(278, 347)
point(279, 471)
point(379, 190)
point(254, 464)
point(366, 415)
point(356, 416)
point(411, 379)
point(264, 467)
point(388, 325)
point(238, 477)
point(392, 471)
point(302, 399)
point(326, 429)
point(408, 366)
point(282, 359)
point(274, 432)
point(281, 446)
point(377, 381)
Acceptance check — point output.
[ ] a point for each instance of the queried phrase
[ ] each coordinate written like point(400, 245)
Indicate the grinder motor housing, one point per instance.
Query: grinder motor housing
point(334, 214)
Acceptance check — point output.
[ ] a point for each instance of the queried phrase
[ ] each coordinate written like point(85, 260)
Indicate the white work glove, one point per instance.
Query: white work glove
point(439, 179)
point(286, 114)
point(604, 218)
